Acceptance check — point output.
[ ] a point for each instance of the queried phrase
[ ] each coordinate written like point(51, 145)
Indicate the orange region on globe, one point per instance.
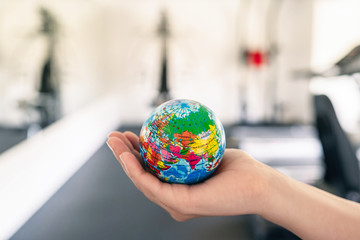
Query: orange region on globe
point(186, 138)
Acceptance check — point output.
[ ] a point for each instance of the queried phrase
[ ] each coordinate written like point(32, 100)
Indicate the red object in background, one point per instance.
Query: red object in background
point(256, 58)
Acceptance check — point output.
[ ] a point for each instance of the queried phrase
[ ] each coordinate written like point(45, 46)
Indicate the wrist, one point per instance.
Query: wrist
point(277, 192)
point(265, 191)
point(291, 204)
point(307, 211)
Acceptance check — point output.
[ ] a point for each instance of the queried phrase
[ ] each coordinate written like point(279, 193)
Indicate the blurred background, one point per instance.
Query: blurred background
point(283, 76)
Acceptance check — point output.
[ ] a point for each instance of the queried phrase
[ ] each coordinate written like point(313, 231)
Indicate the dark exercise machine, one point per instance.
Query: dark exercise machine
point(163, 31)
point(48, 103)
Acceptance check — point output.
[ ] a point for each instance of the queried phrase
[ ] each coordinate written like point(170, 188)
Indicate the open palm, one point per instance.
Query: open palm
point(237, 186)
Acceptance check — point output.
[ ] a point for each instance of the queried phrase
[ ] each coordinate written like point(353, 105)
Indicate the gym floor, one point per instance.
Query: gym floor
point(100, 202)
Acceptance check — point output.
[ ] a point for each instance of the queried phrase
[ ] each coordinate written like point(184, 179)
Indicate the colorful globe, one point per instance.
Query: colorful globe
point(182, 142)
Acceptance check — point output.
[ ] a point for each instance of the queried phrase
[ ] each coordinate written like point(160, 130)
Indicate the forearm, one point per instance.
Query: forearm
point(310, 212)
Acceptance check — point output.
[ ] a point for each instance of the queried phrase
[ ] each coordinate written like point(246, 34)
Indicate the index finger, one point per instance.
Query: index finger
point(133, 138)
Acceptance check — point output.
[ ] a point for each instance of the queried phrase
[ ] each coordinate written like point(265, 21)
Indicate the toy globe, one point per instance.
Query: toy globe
point(182, 142)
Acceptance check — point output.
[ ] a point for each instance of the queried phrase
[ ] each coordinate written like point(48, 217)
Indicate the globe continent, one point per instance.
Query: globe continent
point(182, 142)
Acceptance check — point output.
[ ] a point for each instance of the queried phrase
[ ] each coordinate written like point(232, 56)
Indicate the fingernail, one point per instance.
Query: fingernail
point(123, 164)
point(107, 142)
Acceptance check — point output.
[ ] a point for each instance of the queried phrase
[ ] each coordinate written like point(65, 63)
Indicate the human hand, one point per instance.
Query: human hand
point(238, 186)
point(242, 185)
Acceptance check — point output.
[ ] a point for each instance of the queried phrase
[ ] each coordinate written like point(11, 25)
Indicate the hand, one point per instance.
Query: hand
point(238, 186)
point(241, 185)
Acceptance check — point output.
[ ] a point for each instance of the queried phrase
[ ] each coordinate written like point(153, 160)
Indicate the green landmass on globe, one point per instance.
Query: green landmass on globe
point(182, 142)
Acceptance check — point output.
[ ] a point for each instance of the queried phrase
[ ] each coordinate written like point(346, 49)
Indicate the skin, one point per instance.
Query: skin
point(242, 185)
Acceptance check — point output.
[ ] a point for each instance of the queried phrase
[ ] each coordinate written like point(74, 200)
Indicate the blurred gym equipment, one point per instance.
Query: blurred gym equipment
point(47, 102)
point(341, 164)
point(163, 31)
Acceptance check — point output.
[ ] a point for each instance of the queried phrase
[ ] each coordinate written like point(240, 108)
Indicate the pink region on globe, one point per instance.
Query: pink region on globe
point(193, 160)
point(175, 150)
point(167, 157)
point(190, 157)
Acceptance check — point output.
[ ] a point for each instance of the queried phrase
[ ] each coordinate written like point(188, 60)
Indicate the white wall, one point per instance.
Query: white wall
point(204, 56)
point(335, 32)
point(79, 54)
point(113, 46)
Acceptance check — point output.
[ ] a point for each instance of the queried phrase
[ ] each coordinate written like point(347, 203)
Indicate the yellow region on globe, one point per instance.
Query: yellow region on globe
point(211, 143)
